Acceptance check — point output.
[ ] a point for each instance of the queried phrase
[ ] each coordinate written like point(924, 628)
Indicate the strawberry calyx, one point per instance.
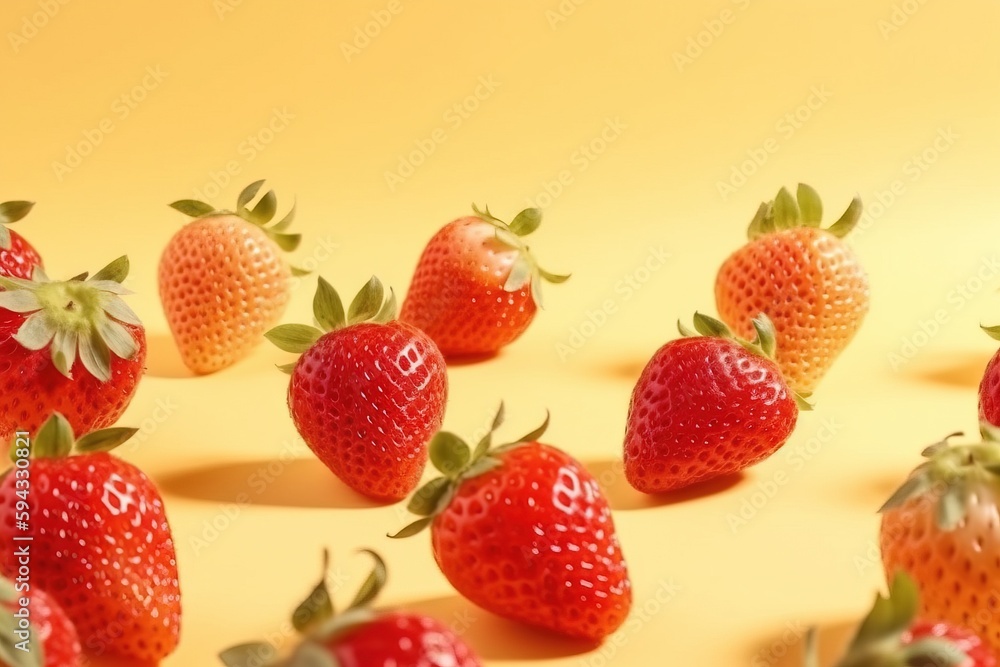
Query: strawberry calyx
point(458, 462)
point(318, 622)
point(261, 215)
point(55, 440)
point(369, 305)
point(954, 473)
point(9, 624)
point(805, 209)
point(11, 212)
point(880, 641)
point(526, 268)
point(764, 343)
point(82, 317)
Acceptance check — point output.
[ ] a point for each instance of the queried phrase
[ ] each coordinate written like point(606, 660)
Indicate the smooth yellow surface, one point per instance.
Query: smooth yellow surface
point(888, 82)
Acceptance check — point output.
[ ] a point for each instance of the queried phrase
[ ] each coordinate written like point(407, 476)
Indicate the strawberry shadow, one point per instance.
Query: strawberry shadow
point(786, 648)
point(623, 369)
point(496, 638)
point(163, 359)
point(610, 476)
point(113, 661)
point(954, 368)
point(301, 483)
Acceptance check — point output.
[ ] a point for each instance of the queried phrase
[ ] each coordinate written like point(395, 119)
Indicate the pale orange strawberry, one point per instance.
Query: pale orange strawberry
point(942, 527)
point(805, 278)
point(223, 281)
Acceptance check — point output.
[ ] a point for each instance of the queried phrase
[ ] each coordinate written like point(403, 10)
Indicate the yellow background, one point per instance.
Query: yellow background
point(893, 79)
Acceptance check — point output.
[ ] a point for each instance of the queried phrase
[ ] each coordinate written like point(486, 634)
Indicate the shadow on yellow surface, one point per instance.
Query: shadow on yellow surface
point(112, 661)
point(496, 638)
point(954, 368)
point(622, 497)
point(303, 483)
point(163, 359)
point(622, 369)
point(786, 649)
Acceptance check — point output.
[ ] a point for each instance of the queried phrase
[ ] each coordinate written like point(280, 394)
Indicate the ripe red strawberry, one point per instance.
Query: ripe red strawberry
point(17, 257)
point(360, 636)
point(806, 279)
point(523, 531)
point(477, 285)
point(101, 545)
point(890, 636)
point(367, 393)
point(49, 641)
point(989, 388)
point(941, 527)
point(707, 406)
point(223, 281)
point(72, 346)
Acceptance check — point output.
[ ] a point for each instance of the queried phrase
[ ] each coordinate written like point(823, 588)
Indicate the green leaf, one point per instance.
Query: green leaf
point(373, 584)
point(756, 224)
point(367, 303)
point(483, 465)
point(265, 209)
point(951, 508)
point(286, 368)
point(485, 214)
point(116, 271)
point(54, 439)
point(685, 330)
point(890, 616)
point(247, 195)
point(993, 332)
point(766, 335)
point(427, 498)
point(449, 453)
point(554, 278)
point(941, 445)
point(413, 528)
point(19, 301)
point(484, 444)
point(848, 220)
point(389, 310)
point(520, 275)
point(318, 607)
point(786, 211)
point(989, 432)
point(36, 332)
point(254, 654)
point(508, 239)
point(96, 356)
point(192, 207)
point(104, 440)
point(287, 242)
point(64, 346)
point(121, 311)
point(802, 402)
point(311, 654)
point(297, 272)
point(533, 436)
point(327, 307)
point(811, 649)
point(8, 592)
point(4, 238)
point(117, 338)
point(12, 211)
point(810, 205)
point(935, 652)
point(711, 327)
point(294, 338)
point(285, 222)
point(526, 221)
point(916, 485)
point(13, 656)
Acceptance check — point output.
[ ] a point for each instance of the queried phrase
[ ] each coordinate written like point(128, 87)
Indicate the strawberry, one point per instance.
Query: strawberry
point(989, 387)
point(891, 636)
point(223, 281)
point(523, 531)
point(360, 636)
point(477, 285)
point(941, 528)
point(367, 393)
point(17, 257)
point(100, 543)
point(69, 346)
point(50, 640)
point(806, 279)
point(707, 406)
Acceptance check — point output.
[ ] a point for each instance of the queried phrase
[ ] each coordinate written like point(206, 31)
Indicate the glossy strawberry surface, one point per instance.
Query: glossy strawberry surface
point(401, 640)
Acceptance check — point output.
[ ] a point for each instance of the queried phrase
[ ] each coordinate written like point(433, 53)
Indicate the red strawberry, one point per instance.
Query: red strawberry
point(366, 395)
point(17, 258)
point(100, 544)
point(523, 531)
point(223, 281)
point(360, 636)
point(70, 346)
point(477, 285)
point(707, 406)
point(989, 388)
point(50, 634)
point(890, 636)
